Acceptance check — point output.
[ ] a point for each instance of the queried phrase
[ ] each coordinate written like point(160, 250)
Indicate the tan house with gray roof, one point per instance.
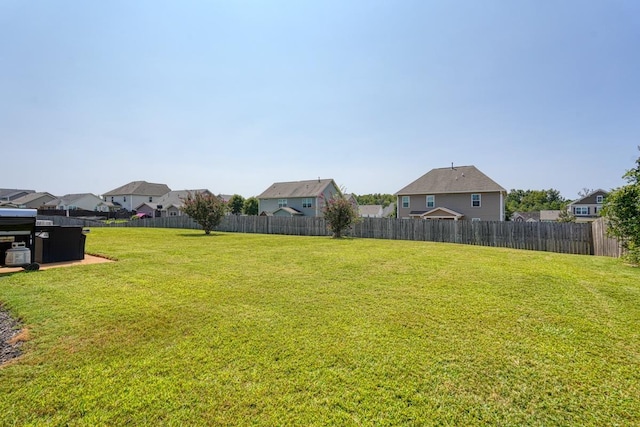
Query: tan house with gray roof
point(296, 198)
point(457, 193)
point(135, 193)
point(34, 200)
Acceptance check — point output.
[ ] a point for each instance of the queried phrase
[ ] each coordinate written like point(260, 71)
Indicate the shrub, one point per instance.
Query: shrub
point(340, 214)
point(205, 209)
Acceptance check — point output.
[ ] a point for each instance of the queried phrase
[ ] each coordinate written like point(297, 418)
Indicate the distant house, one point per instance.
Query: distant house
point(377, 211)
point(549, 215)
point(588, 208)
point(353, 200)
point(34, 200)
point(389, 211)
point(457, 193)
point(9, 194)
point(296, 198)
point(526, 216)
point(370, 211)
point(86, 201)
point(170, 204)
point(135, 193)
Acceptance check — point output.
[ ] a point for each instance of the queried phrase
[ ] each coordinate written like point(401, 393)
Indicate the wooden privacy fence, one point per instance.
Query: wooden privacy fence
point(604, 245)
point(570, 238)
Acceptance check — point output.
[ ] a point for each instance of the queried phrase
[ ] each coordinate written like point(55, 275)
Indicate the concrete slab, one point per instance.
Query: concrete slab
point(88, 259)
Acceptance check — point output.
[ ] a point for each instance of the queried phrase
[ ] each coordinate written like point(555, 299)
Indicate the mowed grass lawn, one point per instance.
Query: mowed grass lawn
point(241, 329)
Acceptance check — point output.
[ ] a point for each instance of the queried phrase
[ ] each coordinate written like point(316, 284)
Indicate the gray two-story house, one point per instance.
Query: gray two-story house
point(588, 208)
point(456, 193)
point(135, 193)
point(296, 198)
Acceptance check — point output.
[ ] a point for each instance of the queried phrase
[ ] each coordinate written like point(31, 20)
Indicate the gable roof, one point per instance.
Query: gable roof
point(526, 216)
point(176, 198)
point(140, 188)
point(291, 211)
point(370, 210)
point(591, 195)
point(389, 210)
point(13, 193)
point(437, 213)
point(68, 199)
point(283, 190)
point(31, 197)
point(458, 179)
point(549, 215)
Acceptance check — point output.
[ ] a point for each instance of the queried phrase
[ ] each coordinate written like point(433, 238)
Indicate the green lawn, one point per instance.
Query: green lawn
point(240, 329)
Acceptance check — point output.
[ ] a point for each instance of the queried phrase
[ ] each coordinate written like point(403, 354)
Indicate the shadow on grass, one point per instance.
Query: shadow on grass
point(11, 273)
point(202, 234)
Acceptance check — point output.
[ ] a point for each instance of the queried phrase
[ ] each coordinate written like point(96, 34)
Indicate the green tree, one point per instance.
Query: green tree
point(533, 200)
point(340, 214)
point(566, 216)
point(376, 199)
point(205, 209)
point(236, 203)
point(622, 211)
point(251, 206)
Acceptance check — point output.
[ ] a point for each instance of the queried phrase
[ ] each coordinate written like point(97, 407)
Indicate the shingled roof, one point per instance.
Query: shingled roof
point(283, 190)
point(457, 179)
point(140, 188)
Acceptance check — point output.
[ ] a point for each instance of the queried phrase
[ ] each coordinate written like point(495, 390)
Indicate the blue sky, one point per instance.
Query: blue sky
point(233, 96)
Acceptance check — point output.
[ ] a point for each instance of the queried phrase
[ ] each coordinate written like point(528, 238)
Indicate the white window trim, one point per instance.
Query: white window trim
point(307, 202)
point(599, 199)
point(583, 210)
point(282, 203)
point(427, 201)
point(479, 200)
point(408, 202)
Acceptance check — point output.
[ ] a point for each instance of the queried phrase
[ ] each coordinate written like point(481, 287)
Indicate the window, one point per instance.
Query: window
point(475, 200)
point(581, 210)
point(478, 219)
point(599, 199)
point(431, 201)
point(150, 199)
point(112, 198)
point(282, 203)
point(307, 203)
point(405, 201)
point(125, 198)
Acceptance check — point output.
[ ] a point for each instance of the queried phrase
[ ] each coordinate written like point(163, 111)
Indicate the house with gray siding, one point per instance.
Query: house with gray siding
point(296, 198)
point(588, 208)
point(34, 200)
point(455, 193)
point(170, 204)
point(135, 193)
point(85, 201)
